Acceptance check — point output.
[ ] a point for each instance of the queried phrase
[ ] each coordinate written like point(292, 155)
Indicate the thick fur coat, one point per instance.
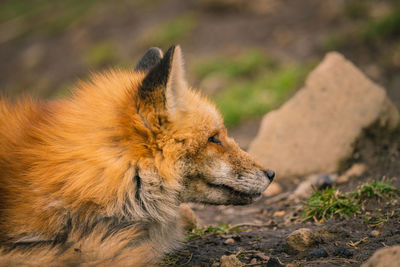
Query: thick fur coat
point(97, 179)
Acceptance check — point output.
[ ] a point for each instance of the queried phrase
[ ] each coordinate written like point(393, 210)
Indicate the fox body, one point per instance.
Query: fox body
point(97, 179)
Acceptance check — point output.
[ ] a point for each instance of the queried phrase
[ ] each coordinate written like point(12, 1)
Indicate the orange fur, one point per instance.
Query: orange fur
point(96, 179)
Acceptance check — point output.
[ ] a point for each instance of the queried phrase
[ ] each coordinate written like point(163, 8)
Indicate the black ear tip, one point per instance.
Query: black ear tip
point(170, 51)
point(152, 57)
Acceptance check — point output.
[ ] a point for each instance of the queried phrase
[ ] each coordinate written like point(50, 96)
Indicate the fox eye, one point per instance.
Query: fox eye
point(214, 140)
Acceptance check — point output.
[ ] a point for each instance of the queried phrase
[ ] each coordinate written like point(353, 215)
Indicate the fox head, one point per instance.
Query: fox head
point(190, 139)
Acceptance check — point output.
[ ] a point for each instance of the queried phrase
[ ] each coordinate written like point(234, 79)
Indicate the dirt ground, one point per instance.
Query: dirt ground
point(288, 31)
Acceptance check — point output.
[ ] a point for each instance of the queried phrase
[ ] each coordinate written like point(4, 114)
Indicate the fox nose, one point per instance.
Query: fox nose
point(270, 174)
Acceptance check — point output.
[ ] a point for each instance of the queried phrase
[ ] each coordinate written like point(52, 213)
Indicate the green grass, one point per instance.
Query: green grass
point(11, 9)
point(170, 260)
point(383, 27)
point(256, 97)
point(357, 9)
point(101, 54)
point(368, 31)
point(172, 31)
point(45, 17)
point(329, 202)
point(377, 189)
point(255, 84)
point(220, 229)
point(246, 64)
point(375, 220)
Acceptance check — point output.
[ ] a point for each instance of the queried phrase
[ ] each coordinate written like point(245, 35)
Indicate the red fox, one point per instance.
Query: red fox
point(97, 179)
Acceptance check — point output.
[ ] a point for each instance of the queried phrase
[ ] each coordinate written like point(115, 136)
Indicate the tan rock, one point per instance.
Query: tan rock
point(301, 239)
point(306, 188)
point(355, 171)
point(187, 217)
point(375, 233)
point(230, 261)
point(316, 129)
point(272, 190)
point(279, 213)
point(384, 257)
point(229, 241)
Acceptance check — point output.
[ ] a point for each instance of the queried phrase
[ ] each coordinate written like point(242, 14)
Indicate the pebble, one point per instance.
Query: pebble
point(305, 188)
point(325, 180)
point(318, 253)
point(355, 171)
point(342, 251)
point(230, 261)
point(229, 241)
point(375, 233)
point(279, 213)
point(272, 190)
point(301, 239)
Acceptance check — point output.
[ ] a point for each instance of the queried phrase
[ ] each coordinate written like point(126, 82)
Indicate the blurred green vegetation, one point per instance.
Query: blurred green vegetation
point(254, 85)
point(101, 54)
point(357, 9)
point(172, 31)
point(44, 17)
point(246, 64)
point(369, 30)
point(383, 27)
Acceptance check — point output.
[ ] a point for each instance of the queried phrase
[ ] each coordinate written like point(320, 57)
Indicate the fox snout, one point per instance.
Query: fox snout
point(270, 174)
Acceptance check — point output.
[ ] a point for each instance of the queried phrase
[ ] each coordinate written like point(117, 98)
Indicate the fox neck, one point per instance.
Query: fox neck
point(149, 198)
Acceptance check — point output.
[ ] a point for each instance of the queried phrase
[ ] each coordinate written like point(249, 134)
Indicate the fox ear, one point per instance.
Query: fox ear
point(151, 58)
point(165, 83)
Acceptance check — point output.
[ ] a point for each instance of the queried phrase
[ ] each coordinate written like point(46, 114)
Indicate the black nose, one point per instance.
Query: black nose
point(270, 174)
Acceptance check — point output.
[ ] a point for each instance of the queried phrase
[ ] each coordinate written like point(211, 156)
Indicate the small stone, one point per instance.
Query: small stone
point(318, 253)
point(228, 211)
point(342, 251)
point(230, 261)
point(324, 180)
point(375, 233)
point(229, 241)
point(384, 257)
point(253, 261)
point(279, 213)
point(301, 239)
point(355, 171)
point(305, 188)
point(215, 264)
point(272, 190)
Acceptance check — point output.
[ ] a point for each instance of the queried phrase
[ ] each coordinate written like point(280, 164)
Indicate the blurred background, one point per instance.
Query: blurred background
point(249, 56)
